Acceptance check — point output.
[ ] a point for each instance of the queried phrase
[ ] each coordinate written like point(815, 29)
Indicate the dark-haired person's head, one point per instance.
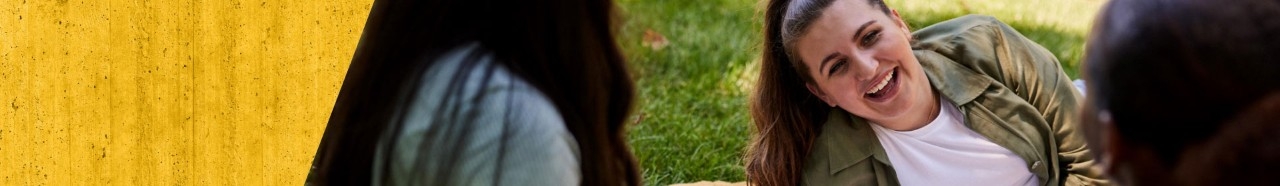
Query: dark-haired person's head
point(565, 49)
point(1171, 79)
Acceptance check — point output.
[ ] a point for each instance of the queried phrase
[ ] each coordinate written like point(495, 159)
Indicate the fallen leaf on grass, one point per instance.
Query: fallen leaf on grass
point(654, 40)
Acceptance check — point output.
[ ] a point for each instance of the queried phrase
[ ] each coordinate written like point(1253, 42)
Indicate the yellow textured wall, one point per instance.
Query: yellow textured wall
point(172, 92)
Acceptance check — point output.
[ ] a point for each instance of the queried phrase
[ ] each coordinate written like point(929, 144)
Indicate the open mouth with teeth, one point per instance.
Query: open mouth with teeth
point(887, 87)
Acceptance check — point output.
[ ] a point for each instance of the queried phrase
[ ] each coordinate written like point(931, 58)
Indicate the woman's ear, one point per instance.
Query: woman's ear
point(1112, 144)
point(818, 92)
point(897, 19)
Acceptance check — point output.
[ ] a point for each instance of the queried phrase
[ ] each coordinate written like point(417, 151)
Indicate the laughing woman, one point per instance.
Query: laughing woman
point(848, 95)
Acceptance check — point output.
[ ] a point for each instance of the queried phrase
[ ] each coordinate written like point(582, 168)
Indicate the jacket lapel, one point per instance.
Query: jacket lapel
point(849, 141)
point(955, 82)
point(990, 116)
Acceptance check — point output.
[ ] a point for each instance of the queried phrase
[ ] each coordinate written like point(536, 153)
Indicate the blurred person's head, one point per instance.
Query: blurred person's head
point(1166, 79)
point(818, 54)
point(1244, 151)
point(564, 48)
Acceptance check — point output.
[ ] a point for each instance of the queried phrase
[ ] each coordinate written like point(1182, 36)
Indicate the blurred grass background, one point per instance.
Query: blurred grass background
point(693, 122)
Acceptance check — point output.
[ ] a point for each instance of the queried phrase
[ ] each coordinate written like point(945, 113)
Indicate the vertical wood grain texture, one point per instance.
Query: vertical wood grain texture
point(173, 92)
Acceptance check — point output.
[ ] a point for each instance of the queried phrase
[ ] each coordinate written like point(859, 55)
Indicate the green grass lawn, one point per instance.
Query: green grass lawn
point(692, 117)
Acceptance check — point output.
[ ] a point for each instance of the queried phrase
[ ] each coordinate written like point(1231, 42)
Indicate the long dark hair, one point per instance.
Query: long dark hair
point(786, 117)
point(564, 48)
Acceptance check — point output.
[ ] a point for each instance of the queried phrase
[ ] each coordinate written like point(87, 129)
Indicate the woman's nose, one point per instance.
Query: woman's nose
point(866, 66)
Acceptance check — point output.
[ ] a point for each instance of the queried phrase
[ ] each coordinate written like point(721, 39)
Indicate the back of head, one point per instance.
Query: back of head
point(564, 48)
point(1171, 72)
point(1245, 152)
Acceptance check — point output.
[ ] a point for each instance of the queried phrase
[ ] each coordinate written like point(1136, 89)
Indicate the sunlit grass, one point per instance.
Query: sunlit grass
point(1058, 25)
point(692, 113)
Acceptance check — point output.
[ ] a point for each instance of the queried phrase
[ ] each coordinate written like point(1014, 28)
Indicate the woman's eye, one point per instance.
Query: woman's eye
point(870, 38)
point(836, 67)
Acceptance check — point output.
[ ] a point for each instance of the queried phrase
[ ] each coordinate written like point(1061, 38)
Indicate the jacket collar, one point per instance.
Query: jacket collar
point(850, 140)
point(954, 81)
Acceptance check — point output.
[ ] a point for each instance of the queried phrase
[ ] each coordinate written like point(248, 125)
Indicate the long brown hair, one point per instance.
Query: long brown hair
point(564, 48)
point(786, 117)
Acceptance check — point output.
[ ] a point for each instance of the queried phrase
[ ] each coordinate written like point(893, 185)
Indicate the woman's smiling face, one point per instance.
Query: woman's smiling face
point(861, 60)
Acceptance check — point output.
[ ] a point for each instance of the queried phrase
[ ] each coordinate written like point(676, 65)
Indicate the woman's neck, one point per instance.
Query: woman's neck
point(919, 119)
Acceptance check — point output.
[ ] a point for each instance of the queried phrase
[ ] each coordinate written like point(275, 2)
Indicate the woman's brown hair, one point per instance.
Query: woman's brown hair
point(564, 48)
point(786, 117)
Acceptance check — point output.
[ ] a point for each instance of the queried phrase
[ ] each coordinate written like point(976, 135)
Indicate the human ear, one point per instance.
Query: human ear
point(818, 92)
point(1112, 145)
point(897, 19)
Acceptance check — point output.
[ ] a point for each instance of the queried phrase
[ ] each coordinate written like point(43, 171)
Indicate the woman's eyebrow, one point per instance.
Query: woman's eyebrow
point(862, 28)
point(823, 66)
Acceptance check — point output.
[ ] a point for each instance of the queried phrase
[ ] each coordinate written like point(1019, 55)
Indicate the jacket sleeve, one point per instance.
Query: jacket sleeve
point(1035, 75)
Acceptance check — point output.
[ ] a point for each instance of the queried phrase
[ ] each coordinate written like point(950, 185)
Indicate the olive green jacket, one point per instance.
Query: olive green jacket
point(1008, 88)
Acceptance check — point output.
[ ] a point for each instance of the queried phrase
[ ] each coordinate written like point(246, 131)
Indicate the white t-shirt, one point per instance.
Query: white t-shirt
point(945, 152)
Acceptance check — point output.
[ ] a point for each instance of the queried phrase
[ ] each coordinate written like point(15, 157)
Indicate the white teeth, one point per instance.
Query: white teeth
point(883, 83)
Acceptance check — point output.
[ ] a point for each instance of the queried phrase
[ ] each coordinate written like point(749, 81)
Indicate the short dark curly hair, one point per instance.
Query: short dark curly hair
point(1171, 72)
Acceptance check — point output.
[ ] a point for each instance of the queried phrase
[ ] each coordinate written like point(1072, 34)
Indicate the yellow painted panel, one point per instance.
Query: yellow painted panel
point(174, 92)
